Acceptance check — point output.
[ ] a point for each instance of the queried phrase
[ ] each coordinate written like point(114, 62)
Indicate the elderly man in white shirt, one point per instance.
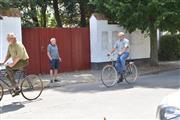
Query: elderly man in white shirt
point(122, 48)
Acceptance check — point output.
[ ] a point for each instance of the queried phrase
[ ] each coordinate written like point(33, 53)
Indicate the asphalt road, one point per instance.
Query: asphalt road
point(94, 101)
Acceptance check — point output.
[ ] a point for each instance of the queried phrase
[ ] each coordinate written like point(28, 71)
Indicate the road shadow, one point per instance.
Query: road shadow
point(92, 87)
point(11, 107)
point(166, 80)
point(14, 106)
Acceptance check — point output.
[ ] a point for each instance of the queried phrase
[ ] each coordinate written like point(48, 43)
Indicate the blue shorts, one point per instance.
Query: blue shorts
point(54, 64)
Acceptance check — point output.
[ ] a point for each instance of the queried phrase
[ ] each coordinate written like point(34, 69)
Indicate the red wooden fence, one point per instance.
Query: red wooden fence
point(73, 43)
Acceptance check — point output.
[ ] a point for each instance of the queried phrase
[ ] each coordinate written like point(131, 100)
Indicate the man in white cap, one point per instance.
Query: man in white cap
point(122, 48)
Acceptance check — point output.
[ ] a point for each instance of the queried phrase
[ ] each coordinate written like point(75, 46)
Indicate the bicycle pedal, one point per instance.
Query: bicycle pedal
point(16, 94)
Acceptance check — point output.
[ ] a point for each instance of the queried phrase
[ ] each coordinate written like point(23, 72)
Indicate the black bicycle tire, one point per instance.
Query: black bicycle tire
point(115, 81)
point(38, 94)
point(135, 78)
point(2, 94)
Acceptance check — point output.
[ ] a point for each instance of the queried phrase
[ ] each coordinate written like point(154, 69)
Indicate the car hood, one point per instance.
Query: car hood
point(172, 100)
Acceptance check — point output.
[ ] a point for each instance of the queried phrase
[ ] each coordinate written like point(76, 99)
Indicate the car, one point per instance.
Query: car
point(169, 108)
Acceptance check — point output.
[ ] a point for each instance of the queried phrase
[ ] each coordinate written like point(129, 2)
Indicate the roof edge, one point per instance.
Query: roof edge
point(10, 12)
point(100, 16)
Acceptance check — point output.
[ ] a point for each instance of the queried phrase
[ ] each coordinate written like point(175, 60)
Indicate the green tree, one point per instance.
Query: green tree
point(82, 9)
point(77, 12)
point(146, 15)
point(70, 13)
point(3, 4)
point(57, 13)
point(40, 13)
point(29, 10)
point(43, 4)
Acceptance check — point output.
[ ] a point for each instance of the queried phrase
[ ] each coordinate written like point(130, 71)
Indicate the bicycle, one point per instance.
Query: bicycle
point(31, 86)
point(109, 74)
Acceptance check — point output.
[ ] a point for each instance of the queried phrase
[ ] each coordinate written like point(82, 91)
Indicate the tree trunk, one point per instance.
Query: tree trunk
point(154, 47)
point(82, 13)
point(34, 15)
point(43, 14)
point(56, 13)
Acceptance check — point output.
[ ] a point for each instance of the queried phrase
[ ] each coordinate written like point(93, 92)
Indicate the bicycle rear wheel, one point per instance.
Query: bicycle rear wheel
point(131, 73)
point(109, 76)
point(1, 92)
point(31, 87)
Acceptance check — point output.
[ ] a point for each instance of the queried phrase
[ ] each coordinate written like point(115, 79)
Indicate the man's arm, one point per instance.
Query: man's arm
point(15, 61)
point(114, 48)
point(49, 55)
point(60, 59)
point(6, 58)
point(48, 52)
point(123, 50)
point(59, 56)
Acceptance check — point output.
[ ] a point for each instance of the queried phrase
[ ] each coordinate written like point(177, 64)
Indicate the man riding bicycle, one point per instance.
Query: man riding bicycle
point(122, 48)
point(20, 58)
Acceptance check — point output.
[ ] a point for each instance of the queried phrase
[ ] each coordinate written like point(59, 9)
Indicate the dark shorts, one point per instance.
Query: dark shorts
point(54, 64)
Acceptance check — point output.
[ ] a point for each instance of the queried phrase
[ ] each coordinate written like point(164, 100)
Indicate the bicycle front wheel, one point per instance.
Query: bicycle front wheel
point(31, 87)
point(1, 92)
point(109, 76)
point(131, 73)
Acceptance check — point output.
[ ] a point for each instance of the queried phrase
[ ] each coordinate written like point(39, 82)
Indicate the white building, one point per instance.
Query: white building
point(10, 21)
point(104, 35)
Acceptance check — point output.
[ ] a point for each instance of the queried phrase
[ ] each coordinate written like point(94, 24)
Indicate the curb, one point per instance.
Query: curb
point(160, 71)
point(143, 74)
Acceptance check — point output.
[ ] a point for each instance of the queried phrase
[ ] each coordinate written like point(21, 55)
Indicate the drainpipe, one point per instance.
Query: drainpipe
point(1, 20)
point(159, 34)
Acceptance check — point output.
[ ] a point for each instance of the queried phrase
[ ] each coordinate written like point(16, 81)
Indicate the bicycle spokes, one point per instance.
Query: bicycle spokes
point(1, 92)
point(32, 87)
point(131, 73)
point(109, 76)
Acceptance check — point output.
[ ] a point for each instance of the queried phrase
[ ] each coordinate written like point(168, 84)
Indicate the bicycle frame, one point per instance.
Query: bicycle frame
point(2, 75)
point(122, 76)
point(113, 61)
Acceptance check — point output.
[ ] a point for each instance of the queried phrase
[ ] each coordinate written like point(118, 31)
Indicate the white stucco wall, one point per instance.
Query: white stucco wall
point(103, 36)
point(7, 25)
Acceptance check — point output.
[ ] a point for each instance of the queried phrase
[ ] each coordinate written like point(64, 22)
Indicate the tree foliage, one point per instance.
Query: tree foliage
point(141, 14)
point(51, 13)
point(169, 47)
point(146, 15)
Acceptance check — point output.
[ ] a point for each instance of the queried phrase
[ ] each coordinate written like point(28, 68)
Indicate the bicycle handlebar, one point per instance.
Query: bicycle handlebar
point(111, 56)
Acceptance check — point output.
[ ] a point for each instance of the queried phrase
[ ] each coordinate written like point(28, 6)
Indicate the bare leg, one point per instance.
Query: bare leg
point(55, 73)
point(51, 74)
point(10, 76)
